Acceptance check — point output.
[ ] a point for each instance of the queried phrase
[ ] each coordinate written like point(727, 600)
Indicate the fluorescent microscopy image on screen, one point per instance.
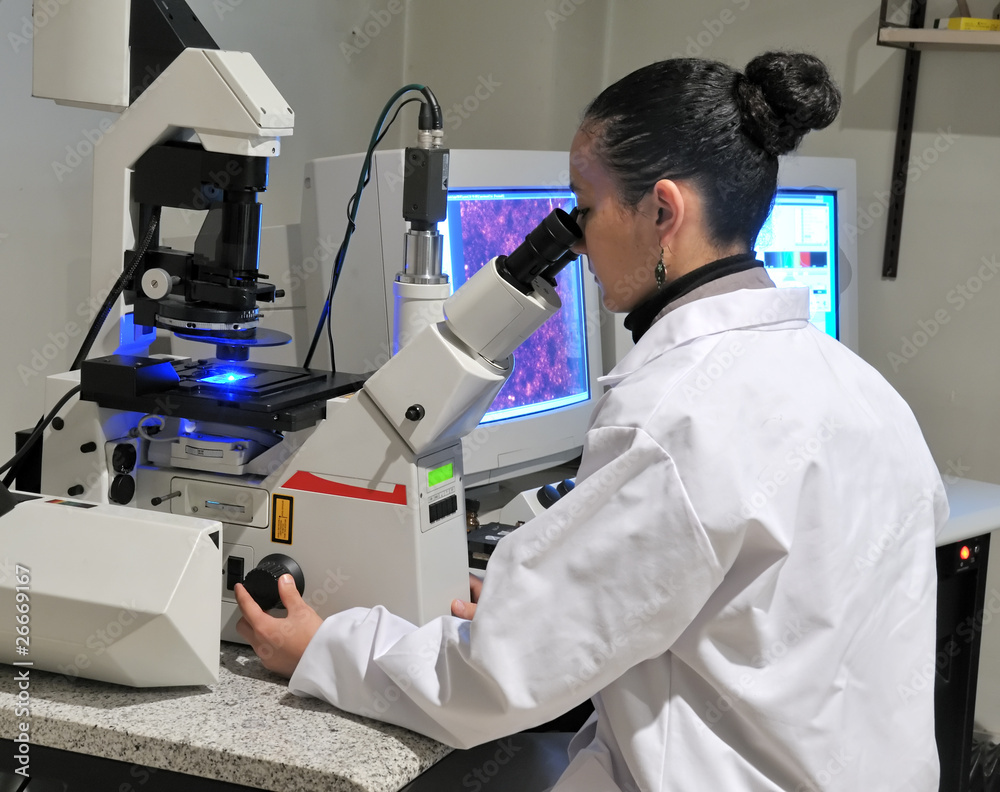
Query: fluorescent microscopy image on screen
point(550, 368)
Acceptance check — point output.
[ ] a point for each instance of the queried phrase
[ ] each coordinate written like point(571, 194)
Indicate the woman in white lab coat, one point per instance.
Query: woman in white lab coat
point(743, 579)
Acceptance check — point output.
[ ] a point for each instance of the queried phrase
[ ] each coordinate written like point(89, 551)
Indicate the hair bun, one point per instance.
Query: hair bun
point(784, 95)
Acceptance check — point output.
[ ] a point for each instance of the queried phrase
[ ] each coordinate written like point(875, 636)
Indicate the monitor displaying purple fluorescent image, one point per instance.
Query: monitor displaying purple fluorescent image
point(550, 368)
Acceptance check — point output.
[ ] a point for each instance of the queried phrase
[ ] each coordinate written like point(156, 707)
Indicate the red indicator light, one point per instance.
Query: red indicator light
point(964, 553)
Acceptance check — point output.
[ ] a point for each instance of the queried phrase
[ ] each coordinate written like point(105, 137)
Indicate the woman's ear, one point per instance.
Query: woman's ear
point(669, 203)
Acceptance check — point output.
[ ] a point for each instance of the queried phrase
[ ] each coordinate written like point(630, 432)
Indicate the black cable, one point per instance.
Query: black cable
point(432, 109)
point(15, 460)
point(329, 337)
point(339, 260)
point(137, 256)
point(352, 211)
point(393, 120)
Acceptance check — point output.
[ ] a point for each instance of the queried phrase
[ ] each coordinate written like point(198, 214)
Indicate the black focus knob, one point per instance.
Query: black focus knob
point(564, 486)
point(414, 412)
point(261, 582)
point(123, 458)
point(122, 489)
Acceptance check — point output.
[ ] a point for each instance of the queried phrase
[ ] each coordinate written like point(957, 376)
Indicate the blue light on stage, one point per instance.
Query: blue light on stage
point(226, 377)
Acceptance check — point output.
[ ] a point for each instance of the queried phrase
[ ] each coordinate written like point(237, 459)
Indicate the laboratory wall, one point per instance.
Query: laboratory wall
point(511, 75)
point(517, 75)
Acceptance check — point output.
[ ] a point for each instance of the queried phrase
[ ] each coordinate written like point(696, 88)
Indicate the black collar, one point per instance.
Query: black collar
point(641, 318)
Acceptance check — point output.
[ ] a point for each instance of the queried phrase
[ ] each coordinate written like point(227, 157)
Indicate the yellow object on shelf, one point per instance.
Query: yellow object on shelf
point(967, 23)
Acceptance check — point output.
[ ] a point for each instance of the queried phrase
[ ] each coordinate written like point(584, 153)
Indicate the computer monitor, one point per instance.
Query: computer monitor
point(798, 245)
point(550, 368)
point(494, 199)
point(809, 239)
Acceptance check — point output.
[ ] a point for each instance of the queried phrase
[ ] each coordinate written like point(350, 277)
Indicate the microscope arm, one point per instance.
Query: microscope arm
point(225, 98)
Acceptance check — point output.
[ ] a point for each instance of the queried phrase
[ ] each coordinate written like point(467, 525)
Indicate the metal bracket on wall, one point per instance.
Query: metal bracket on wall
point(904, 133)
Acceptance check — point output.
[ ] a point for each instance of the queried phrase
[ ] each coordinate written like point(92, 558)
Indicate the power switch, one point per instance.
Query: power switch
point(234, 572)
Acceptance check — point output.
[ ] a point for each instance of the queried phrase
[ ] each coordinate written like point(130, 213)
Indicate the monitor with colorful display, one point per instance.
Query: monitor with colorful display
point(798, 245)
point(495, 198)
point(550, 368)
point(811, 239)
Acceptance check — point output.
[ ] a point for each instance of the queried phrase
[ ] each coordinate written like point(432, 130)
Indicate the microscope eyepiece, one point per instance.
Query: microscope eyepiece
point(545, 250)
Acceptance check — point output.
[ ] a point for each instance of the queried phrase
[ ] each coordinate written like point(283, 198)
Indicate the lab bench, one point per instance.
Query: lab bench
point(247, 731)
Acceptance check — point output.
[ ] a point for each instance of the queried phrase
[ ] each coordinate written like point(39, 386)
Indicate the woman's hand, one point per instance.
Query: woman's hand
point(279, 643)
point(466, 610)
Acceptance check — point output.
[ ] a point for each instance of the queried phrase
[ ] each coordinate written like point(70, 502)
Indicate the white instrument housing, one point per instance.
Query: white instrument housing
point(111, 593)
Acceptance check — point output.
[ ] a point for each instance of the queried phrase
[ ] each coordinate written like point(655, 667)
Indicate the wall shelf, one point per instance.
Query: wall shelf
point(931, 39)
point(914, 38)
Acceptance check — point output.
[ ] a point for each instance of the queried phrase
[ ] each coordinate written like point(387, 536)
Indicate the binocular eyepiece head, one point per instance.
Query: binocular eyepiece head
point(544, 252)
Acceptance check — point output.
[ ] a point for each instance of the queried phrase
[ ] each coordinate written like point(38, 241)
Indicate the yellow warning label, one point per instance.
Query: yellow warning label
point(281, 519)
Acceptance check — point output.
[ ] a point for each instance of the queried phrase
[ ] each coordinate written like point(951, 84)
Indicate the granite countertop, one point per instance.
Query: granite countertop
point(247, 729)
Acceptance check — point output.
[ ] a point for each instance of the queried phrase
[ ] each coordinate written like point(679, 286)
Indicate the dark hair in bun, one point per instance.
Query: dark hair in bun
point(784, 95)
point(702, 121)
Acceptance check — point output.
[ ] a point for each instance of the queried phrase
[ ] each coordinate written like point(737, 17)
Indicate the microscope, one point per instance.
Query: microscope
point(351, 483)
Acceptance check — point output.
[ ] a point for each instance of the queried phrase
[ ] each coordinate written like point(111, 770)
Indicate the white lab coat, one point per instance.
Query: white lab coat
point(743, 580)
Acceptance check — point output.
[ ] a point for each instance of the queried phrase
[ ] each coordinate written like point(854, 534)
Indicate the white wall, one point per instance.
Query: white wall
point(536, 67)
point(44, 227)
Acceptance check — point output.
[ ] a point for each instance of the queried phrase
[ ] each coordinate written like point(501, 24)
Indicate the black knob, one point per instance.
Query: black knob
point(414, 412)
point(76, 489)
point(565, 486)
point(159, 499)
point(548, 495)
point(88, 448)
point(123, 458)
point(122, 489)
point(261, 582)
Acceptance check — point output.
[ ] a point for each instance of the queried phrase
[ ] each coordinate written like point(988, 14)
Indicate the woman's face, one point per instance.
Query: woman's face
point(622, 244)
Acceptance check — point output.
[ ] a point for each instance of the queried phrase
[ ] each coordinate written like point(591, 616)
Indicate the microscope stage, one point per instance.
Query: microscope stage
point(261, 395)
